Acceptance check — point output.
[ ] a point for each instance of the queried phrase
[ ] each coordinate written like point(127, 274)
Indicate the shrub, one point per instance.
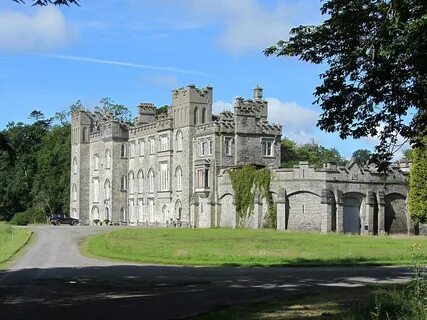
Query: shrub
point(28, 217)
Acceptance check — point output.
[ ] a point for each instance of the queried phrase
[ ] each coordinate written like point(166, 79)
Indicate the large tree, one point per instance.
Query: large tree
point(417, 186)
point(376, 78)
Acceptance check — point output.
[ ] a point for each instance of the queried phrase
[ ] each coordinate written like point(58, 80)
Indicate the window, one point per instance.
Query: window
point(141, 147)
point(267, 148)
point(203, 146)
point(151, 209)
point(151, 180)
point(96, 162)
point(123, 183)
point(123, 214)
point(107, 187)
point(140, 210)
point(164, 141)
point(85, 135)
point(75, 165)
point(107, 213)
point(202, 178)
point(179, 141)
point(123, 150)
point(203, 115)
point(108, 159)
point(178, 175)
point(95, 190)
point(131, 211)
point(228, 141)
point(164, 177)
point(140, 181)
point(74, 192)
point(132, 149)
point(95, 213)
point(196, 116)
point(152, 145)
point(131, 182)
point(210, 147)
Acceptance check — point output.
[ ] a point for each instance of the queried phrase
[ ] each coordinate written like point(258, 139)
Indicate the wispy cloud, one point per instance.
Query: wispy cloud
point(126, 64)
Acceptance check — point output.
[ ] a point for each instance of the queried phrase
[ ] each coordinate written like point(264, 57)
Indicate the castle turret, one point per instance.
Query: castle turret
point(146, 113)
point(258, 93)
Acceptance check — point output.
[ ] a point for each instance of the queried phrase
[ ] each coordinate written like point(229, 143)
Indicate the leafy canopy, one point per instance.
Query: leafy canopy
point(417, 189)
point(376, 80)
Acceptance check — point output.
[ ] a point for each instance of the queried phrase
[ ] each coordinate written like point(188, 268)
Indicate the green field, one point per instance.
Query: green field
point(12, 239)
point(222, 247)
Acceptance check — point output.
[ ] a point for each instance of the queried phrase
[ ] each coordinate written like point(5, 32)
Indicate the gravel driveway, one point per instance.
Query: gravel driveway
point(54, 281)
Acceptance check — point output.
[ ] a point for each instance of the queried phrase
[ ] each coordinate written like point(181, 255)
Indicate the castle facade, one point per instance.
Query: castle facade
point(170, 168)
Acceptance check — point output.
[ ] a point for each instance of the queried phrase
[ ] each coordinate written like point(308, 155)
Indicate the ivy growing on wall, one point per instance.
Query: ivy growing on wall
point(247, 181)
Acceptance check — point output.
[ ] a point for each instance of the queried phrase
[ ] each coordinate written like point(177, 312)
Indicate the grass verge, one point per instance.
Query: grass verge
point(386, 302)
point(12, 240)
point(228, 247)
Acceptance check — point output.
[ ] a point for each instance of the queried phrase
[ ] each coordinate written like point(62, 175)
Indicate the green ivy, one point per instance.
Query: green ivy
point(246, 181)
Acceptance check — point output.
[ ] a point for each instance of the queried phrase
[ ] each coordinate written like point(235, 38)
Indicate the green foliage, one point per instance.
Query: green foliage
point(376, 53)
point(120, 111)
point(246, 182)
point(12, 239)
point(315, 154)
point(417, 185)
point(362, 156)
point(408, 155)
point(162, 110)
point(28, 217)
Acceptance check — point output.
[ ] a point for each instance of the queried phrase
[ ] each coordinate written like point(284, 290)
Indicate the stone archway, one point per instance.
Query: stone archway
point(351, 215)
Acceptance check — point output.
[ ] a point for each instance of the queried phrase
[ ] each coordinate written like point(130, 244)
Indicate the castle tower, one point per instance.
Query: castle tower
point(80, 166)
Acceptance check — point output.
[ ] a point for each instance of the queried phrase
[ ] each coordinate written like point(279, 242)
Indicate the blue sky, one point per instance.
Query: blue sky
point(138, 51)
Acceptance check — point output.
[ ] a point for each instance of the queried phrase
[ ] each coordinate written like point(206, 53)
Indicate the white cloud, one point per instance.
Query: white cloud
point(252, 24)
point(126, 64)
point(298, 122)
point(43, 30)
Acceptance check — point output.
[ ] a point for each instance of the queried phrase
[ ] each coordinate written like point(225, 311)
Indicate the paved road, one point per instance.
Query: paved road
point(53, 281)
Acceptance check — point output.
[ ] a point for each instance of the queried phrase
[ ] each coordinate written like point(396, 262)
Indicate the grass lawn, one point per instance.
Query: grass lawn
point(12, 239)
point(221, 247)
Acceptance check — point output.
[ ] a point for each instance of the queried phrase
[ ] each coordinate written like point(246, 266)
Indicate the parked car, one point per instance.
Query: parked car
point(56, 220)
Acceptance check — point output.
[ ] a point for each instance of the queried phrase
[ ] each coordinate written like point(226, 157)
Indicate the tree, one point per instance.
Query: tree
point(362, 156)
point(376, 52)
point(408, 155)
point(417, 188)
point(120, 111)
point(47, 2)
point(162, 110)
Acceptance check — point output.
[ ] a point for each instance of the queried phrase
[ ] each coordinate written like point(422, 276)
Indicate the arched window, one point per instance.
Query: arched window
point(179, 141)
point(95, 213)
point(75, 165)
point(74, 192)
point(107, 159)
point(131, 182)
point(151, 180)
point(178, 175)
point(107, 187)
point(140, 181)
point(123, 214)
point(85, 135)
point(196, 116)
point(203, 115)
point(123, 183)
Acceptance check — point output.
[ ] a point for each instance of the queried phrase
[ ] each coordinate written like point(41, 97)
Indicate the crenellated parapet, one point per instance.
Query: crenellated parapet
point(269, 128)
point(252, 108)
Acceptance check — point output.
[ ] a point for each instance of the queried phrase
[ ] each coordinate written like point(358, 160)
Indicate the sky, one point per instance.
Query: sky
point(138, 51)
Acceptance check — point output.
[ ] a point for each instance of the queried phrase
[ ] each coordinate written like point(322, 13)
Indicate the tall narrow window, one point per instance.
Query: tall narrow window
point(203, 145)
point(140, 181)
point(131, 211)
point(96, 162)
point(132, 149)
point(108, 159)
point(123, 150)
point(95, 190)
point(151, 180)
point(196, 115)
point(123, 183)
point(131, 182)
point(141, 147)
point(151, 209)
point(140, 210)
point(227, 141)
point(179, 141)
point(85, 135)
point(75, 165)
point(210, 148)
point(164, 177)
point(152, 145)
point(74, 192)
point(123, 214)
point(178, 175)
point(107, 187)
point(164, 141)
point(203, 115)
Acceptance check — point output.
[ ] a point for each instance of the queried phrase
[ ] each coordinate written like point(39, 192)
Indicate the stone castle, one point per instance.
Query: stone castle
point(174, 167)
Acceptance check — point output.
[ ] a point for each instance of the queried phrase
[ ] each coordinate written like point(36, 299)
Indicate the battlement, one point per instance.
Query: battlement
point(191, 94)
point(249, 107)
point(146, 107)
point(269, 128)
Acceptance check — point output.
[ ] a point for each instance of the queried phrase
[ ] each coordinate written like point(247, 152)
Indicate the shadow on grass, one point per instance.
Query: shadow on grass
point(162, 292)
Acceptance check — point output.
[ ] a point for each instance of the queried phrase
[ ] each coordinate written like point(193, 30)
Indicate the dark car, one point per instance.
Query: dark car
point(58, 219)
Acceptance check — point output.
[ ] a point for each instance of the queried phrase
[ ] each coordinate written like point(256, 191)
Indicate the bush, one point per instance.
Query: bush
point(28, 217)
